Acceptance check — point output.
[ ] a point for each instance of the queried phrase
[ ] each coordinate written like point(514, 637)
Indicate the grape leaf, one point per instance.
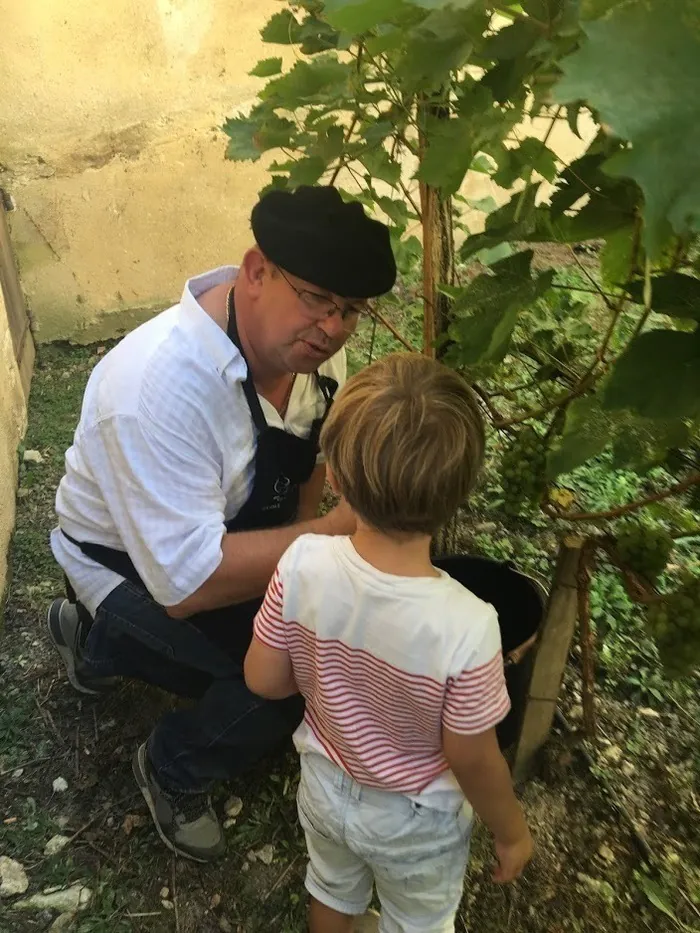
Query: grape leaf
point(319, 81)
point(306, 171)
point(266, 68)
point(638, 69)
point(316, 35)
point(447, 157)
point(586, 434)
point(519, 162)
point(616, 257)
point(281, 29)
point(241, 145)
point(511, 41)
point(675, 294)
point(642, 443)
point(380, 165)
point(493, 301)
point(657, 376)
point(396, 211)
point(441, 43)
point(357, 16)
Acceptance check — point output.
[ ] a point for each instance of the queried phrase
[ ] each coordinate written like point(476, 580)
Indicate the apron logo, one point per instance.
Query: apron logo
point(282, 484)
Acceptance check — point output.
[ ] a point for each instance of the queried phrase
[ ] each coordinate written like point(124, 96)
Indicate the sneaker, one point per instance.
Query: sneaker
point(186, 823)
point(64, 624)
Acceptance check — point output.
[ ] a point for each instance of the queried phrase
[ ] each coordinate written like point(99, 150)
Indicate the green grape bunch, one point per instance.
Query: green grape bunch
point(643, 549)
point(674, 624)
point(523, 471)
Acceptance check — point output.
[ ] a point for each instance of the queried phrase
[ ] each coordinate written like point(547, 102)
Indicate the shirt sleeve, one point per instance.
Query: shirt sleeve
point(269, 627)
point(165, 497)
point(476, 698)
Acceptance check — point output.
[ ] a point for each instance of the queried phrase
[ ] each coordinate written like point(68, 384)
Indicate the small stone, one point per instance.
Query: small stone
point(63, 923)
point(225, 926)
point(606, 853)
point(576, 713)
point(56, 844)
point(164, 893)
point(649, 713)
point(229, 823)
point(32, 456)
point(77, 897)
point(14, 878)
point(628, 769)
point(613, 754)
point(60, 785)
point(18, 773)
point(168, 905)
point(215, 901)
point(251, 855)
point(266, 854)
point(233, 807)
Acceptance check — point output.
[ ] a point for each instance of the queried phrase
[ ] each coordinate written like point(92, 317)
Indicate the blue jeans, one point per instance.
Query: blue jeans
point(228, 728)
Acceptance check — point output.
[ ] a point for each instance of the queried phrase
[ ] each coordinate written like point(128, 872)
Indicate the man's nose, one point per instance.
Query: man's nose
point(333, 326)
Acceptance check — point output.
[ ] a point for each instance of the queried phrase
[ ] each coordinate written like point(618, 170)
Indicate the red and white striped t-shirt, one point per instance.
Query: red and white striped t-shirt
point(383, 662)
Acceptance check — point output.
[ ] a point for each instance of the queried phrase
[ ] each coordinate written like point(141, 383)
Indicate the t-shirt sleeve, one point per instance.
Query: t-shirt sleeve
point(269, 627)
point(476, 698)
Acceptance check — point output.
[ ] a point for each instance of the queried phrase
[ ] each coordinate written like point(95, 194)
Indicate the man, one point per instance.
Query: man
point(194, 466)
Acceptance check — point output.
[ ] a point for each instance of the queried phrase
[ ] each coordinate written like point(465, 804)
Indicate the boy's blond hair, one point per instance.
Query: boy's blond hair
point(405, 443)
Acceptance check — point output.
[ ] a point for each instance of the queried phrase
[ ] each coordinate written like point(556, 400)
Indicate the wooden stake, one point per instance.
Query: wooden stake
point(552, 650)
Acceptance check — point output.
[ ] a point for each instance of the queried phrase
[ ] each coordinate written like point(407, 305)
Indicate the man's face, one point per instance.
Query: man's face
point(298, 325)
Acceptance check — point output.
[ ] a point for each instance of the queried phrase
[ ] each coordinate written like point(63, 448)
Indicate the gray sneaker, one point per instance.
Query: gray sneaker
point(63, 623)
point(186, 823)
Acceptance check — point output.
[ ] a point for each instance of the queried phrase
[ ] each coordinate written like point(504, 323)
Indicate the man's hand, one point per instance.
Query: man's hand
point(512, 858)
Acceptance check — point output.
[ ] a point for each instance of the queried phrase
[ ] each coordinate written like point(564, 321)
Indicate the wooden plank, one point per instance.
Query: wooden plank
point(11, 289)
point(551, 657)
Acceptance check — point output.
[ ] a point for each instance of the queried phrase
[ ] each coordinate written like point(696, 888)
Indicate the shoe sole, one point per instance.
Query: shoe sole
point(66, 654)
point(138, 766)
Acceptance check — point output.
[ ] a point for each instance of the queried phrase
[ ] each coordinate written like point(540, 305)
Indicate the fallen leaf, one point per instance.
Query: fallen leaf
point(131, 822)
point(77, 897)
point(266, 854)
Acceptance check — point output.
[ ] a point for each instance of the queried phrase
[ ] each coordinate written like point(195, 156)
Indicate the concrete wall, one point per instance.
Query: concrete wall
point(14, 390)
point(109, 148)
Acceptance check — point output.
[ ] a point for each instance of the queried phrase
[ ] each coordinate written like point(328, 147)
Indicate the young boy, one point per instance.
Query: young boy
point(400, 665)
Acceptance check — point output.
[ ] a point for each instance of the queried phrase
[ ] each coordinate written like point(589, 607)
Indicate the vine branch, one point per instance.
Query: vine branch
point(675, 490)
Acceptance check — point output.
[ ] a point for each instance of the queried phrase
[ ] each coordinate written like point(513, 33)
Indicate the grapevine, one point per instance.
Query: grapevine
point(644, 550)
point(674, 623)
point(523, 471)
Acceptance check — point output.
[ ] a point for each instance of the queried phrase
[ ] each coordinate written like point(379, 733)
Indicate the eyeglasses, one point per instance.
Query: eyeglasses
point(322, 307)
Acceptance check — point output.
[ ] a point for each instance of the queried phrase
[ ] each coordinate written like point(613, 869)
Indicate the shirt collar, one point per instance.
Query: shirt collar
point(195, 319)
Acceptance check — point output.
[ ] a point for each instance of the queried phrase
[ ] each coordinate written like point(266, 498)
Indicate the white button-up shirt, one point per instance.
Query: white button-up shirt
point(164, 451)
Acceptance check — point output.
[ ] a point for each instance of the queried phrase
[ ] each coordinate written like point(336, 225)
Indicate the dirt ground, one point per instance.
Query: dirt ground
point(617, 823)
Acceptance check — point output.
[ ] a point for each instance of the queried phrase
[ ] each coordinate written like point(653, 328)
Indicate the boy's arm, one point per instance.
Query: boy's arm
point(268, 671)
point(482, 773)
point(267, 667)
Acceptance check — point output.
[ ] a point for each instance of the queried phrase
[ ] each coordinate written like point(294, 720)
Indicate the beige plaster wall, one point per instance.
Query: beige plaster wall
point(13, 422)
point(109, 146)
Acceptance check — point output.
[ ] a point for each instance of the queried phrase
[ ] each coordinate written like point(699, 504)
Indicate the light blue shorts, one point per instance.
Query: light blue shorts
point(358, 836)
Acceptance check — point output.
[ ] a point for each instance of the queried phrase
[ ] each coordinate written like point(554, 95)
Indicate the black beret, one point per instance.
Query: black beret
point(313, 234)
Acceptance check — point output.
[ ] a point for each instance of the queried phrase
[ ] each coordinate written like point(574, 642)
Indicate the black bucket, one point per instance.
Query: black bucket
point(519, 601)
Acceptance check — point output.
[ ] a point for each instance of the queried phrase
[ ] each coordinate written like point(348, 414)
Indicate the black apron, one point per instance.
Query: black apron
point(283, 463)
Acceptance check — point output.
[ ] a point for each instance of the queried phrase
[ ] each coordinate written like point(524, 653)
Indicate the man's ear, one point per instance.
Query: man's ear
point(253, 267)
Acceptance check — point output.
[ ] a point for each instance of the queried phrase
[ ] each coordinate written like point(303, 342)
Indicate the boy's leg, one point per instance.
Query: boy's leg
point(324, 919)
point(338, 880)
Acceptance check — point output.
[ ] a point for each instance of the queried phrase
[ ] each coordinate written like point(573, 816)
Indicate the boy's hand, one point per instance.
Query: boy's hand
point(512, 858)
